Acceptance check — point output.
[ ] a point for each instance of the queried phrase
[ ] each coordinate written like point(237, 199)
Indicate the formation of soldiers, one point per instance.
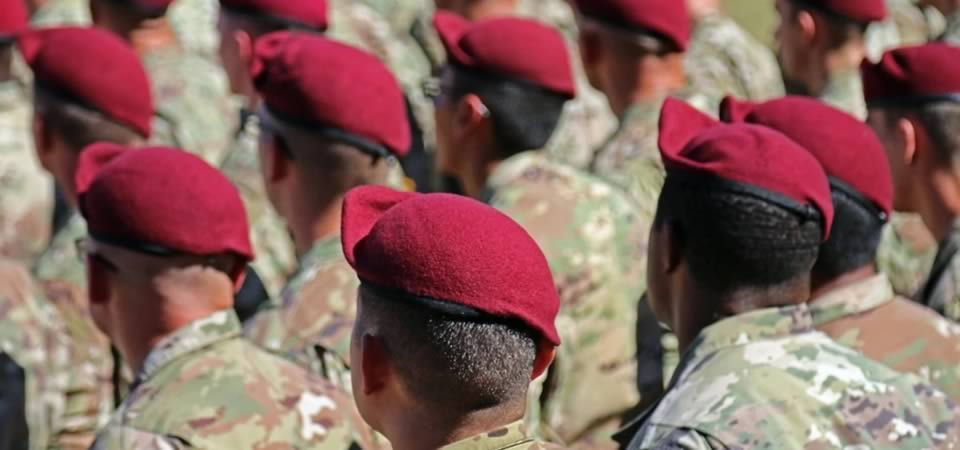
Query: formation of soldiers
point(478, 224)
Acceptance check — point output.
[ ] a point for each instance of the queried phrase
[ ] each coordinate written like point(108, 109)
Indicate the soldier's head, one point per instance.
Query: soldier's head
point(478, 9)
point(456, 313)
point(12, 22)
point(915, 109)
point(741, 216)
point(242, 22)
point(853, 159)
point(167, 242)
point(324, 131)
point(820, 38)
point(633, 50)
point(123, 16)
point(501, 93)
point(89, 86)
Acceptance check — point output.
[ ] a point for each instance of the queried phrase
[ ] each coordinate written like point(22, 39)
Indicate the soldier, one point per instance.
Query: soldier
point(76, 103)
point(914, 110)
point(324, 133)
point(192, 105)
point(742, 214)
point(496, 108)
point(951, 10)
point(907, 23)
point(450, 329)
point(166, 247)
point(852, 302)
point(26, 191)
point(726, 60)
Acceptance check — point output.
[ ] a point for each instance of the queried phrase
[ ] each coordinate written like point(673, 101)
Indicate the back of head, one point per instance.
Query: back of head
point(653, 26)
point(845, 20)
point(265, 16)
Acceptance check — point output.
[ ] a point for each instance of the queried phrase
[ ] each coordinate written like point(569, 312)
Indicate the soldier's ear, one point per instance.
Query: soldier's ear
point(911, 138)
point(245, 46)
point(808, 26)
point(374, 364)
point(674, 246)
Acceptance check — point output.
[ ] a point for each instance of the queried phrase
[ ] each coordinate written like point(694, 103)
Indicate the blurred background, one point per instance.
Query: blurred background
point(757, 16)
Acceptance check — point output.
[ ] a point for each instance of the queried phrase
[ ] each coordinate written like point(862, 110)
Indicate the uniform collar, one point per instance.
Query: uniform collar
point(510, 436)
point(844, 91)
point(851, 300)
point(323, 250)
point(759, 325)
point(642, 111)
point(198, 335)
point(510, 169)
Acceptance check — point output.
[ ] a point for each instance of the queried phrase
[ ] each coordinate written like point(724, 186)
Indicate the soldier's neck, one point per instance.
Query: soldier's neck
point(6, 64)
point(822, 286)
point(487, 9)
point(839, 62)
point(150, 35)
point(652, 80)
point(313, 222)
point(427, 429)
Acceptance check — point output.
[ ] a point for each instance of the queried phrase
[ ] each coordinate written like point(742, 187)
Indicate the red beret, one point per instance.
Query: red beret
point(330, 87)
point(667, 19)
point(516, 48)
point(846, 147)
point(13, 17)
point(856, 10)
point(913, 76)
point(306, 14)
point(450, 250)
point(160, 199)
point(756, 158)
point(93, 68)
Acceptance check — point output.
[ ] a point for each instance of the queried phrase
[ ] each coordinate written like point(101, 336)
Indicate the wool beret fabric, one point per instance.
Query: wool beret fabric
point(308, 13)
point(451, 249)
point(913, 76)
point(13, 17)
point(668, 19)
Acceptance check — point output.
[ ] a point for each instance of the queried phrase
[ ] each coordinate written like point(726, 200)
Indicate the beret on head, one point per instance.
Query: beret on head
point(13, 17)
point(308, 14)
point(333, 89)
point(913, 76)
point(756, 159)
point(452, 250)
point(667, 19)
point(94, 69)
point(519, 49)
point(847, 148)
point(160, 198)
point(856, 10)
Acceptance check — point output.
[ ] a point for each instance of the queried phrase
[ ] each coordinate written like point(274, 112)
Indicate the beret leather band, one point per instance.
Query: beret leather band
point(912, 101)
point(139, 247)
point(837, 184)
point(272, 119)
point(284, 22)
point(445, 307)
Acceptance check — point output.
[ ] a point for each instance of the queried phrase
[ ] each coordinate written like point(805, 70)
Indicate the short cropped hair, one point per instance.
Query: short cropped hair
point(854, 237)
point(78, 125)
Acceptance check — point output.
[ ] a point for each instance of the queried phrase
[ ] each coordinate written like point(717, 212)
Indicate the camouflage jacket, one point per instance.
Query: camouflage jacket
point(844, 91)
point(766, 379)
point(861, 316)
point(513, 437)
point(907, 24)
point(32, 335)
point(906, 253)
point(90, 396)
point(314, 322)
point(26, 191)
point(194, 111)
point(272, 245)
point(205, 387)
point(724, 59)
point(942, 289)
point(595, 242)
point(61, 12)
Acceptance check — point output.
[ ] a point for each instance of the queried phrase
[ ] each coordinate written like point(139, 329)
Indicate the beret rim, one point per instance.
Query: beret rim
point(270, 115)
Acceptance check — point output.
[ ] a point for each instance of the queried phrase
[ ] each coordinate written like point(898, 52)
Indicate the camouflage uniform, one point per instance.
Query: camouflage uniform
point(26, 191)
point(766, 379)
point(906, 253)
point(31, 333)
point(844, 91)
point(907, 24)
point(195, 22)
point(861, 316)
point(724, 59)
point(942, 289)
point(62, 277)
point(206, 387)
point(951, 34)
point(62, 12)
point(513, 436)
point(595, 242)
point(193, 108)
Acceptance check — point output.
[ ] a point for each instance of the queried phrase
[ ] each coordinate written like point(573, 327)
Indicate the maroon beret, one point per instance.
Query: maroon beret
point(13, 17)
point(856, 10)
point(667, 19)
point(450, 251)
point(913, 76)
point(333, 89)
point(755, 158)
point(160, 200)
point(93, 68)
point(847, 148)
point(307, 14)
point(516, 48)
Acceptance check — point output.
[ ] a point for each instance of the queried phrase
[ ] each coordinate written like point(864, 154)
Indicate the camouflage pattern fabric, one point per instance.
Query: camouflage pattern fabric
point(62, 12)
point(862, 315)
point(766, 379)
point(26, 191)
point(513, 436)
point(314, 322)
point(62, 277)
point(907, 24)
point(724, 59)
point(595, 242)
point(239, 398)
point(951, 33)
point(194, 111)
point(906, 253)
point(941, 291)
point(32, 334)
point(844, 91)
point(195, 22)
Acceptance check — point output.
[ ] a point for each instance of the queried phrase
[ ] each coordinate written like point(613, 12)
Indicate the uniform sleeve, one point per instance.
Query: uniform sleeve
point(668, 438)
point(127, 438)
